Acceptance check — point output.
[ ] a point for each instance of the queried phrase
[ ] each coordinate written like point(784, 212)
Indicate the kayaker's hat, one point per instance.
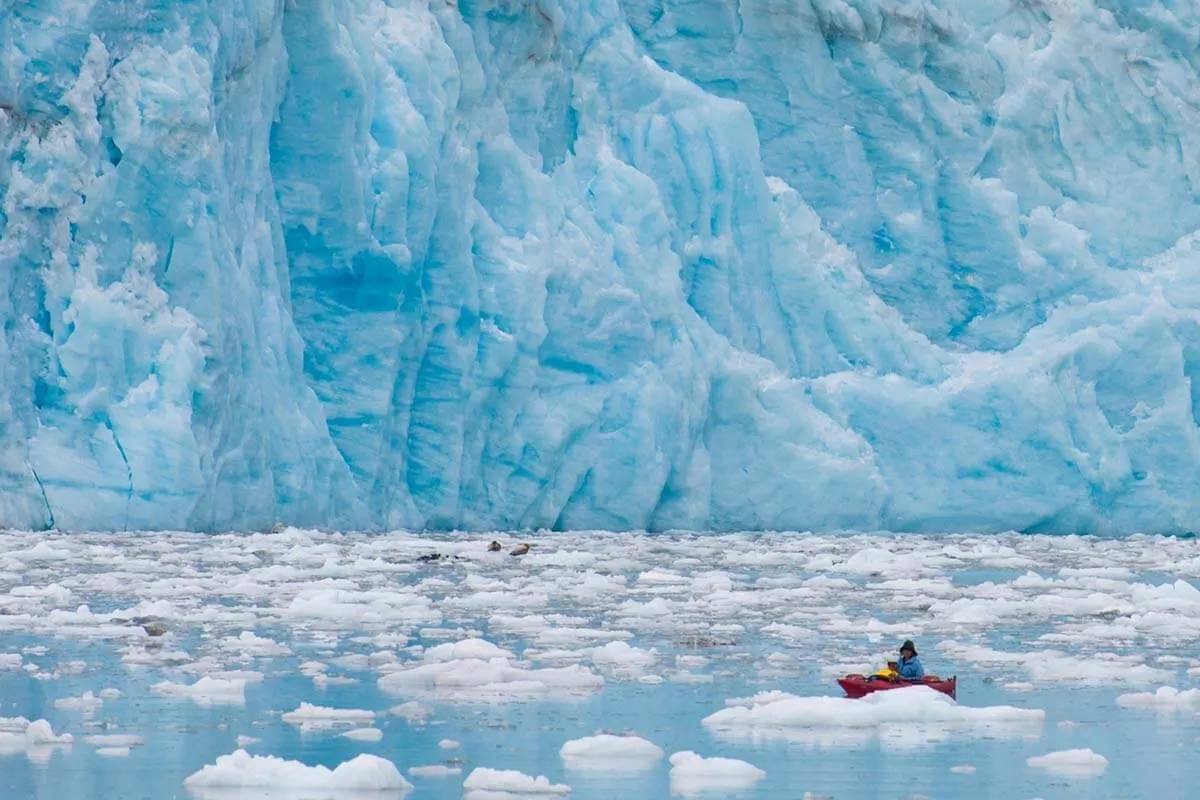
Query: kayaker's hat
point(908, 645)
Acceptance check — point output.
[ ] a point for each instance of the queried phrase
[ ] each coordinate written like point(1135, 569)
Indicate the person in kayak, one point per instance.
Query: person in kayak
point(909, 668)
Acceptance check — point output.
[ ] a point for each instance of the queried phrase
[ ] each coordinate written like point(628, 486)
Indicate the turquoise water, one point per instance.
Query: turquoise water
point(1150, 753)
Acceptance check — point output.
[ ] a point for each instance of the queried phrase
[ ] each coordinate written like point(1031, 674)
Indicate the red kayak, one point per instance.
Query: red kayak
point(857, 686)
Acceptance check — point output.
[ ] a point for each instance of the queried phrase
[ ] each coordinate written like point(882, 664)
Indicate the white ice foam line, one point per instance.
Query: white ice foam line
point(584, 608)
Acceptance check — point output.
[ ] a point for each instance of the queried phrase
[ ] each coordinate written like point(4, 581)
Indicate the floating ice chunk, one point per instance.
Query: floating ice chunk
point(347, 609)
point(608, 753)
point(110, 694)
point(240, 770)
point(925, 713)
point(316, 718)
point(364, 734)
point(622, 658)
point(412, 712)
point(243, 740)
point(251, 644)
point(353, 661)
point(42, 551)
point(87, 702)
point(321, 680)
point(690, 678)
point(10, 660)
point(1167, 698)
point(1019, 686)
point(207, 691)
point(567, 637)
point(693, 774)
point(1079, 762)
point(143, 657)
point(663, 577)
point(115, 740)
point(483, 780)
point(112, 752)
point(467, 648)
point(449, 744)
point(963, 769)
point(434, 771)
point(1052, 666)
point(880, 562)
point(39, 732)
point(36, 739)
point(527, 625)
point(494, 680)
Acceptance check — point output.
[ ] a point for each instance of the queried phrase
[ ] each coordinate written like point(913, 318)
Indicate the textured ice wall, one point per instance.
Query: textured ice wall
point(596, 264)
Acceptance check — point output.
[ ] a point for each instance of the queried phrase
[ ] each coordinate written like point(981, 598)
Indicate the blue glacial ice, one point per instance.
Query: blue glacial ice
point(600, 264)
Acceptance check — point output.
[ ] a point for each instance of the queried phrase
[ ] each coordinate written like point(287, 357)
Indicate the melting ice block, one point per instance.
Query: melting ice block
point(694, 774)
point(609, 753)
point(924, 713)
point(483, 780)
point(207, 691)
point(240, 770)
point(1081, 762)
point(309, 717)
point(1166, 698)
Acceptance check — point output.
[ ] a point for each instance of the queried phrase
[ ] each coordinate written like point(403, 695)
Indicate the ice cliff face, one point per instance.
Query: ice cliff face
point(638, 264)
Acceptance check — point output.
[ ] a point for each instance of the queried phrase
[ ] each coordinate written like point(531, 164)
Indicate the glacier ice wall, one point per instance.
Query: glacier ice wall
point(600, 263)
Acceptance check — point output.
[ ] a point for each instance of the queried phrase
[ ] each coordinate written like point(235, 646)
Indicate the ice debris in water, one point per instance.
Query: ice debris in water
point(606, 752)
point(36, 739)
point(778, 714)
point(1081, 762)
point(87, 702)
point(455, 671)
point(207, 691)
point(240, 770)
point(482, 781)
point(692, 774)
point(1166, 698)
point(114, 740)
point(113, 752)
point(310, 717)
point(434, 771)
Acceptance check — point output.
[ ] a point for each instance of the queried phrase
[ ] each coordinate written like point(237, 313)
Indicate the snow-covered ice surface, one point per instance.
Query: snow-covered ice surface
point(624, 264)
point(606, 665)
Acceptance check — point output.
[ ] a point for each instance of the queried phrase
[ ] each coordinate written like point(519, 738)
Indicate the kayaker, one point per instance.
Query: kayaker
point(909, 668)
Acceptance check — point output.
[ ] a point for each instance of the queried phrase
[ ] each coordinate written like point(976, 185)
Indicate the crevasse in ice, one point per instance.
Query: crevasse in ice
point(600, 263)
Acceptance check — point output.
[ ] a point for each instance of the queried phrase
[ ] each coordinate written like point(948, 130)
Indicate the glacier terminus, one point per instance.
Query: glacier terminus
point(918, 265)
